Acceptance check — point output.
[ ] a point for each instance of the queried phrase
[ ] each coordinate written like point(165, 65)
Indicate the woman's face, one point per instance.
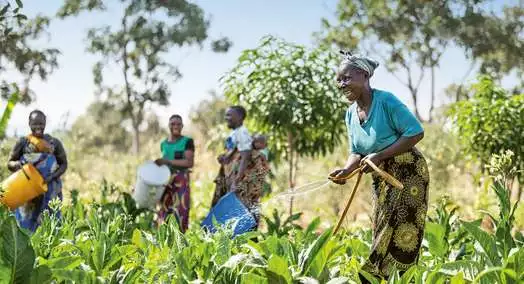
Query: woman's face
point(37, 124)
point(351, 81)
point(175, 126)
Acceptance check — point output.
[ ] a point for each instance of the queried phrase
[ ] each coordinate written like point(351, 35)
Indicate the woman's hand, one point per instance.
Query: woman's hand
point(375, 158)
point(161, 162)
point(338, 175)
point(16, 165)
point(49, 179)
point(223, 159)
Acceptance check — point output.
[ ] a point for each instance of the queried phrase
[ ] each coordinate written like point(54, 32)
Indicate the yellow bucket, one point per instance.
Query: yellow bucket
point(22, 186)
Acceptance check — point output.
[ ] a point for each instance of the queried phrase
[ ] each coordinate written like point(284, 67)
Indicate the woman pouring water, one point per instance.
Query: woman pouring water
point(243, 169)
point(385, 132)
point(48, 155)
point(178, 153)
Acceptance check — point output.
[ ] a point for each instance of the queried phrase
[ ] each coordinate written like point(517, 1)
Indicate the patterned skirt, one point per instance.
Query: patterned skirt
point(250, 188)
point(176, 200)
point(398, 215)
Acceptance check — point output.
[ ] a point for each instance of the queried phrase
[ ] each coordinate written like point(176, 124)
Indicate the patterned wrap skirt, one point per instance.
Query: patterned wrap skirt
point(398, 215)
point(252, 185)
point(176, 200)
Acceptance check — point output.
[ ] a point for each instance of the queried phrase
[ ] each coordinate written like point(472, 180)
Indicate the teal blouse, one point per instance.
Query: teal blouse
point(388, 120)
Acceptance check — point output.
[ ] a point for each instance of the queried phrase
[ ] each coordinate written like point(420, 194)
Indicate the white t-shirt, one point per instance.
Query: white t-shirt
point(240, 139)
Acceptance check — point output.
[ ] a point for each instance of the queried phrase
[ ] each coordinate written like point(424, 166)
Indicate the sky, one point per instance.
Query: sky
point(70, 89)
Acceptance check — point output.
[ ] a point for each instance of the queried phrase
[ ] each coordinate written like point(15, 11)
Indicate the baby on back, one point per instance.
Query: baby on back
point(260, 144)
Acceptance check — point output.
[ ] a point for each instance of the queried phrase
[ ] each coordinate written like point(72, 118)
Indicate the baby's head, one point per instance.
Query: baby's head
point(259, 141)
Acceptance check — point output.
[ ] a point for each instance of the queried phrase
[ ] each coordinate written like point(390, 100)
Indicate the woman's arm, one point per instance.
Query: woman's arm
point(244, 160)
point(187, 162)
point(402, 145)
point(61, 159)
point(14, 163)
point(351, 165)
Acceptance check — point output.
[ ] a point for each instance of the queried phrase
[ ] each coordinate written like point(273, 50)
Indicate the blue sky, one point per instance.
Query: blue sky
point(70, 88)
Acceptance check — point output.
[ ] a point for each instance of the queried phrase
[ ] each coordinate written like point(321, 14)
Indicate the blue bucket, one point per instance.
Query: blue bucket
point(230, 209)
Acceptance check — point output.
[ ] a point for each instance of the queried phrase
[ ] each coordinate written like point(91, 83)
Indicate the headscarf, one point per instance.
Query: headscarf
point(359, 61)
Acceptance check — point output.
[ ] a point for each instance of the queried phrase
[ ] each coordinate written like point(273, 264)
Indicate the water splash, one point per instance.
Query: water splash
point(302, 190)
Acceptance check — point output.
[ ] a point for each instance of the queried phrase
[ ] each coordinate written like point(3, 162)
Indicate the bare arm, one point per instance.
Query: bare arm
point(245, 156)
point(352, 162)
point(351, 165)
point(14, 163)
point(402, 145)
point(61, 159)
point(187, 162)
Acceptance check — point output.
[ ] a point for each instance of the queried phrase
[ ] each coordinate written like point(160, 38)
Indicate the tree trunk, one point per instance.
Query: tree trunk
point(432, 106)
point(136, 139)
point(129, 92)
point(291, 180)
point(414, 97)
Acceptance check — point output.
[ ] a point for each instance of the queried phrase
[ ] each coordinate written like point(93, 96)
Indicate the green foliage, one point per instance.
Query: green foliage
point(113, 242)
point(17, 52)
point(138, 46)
point(208, 117)
point(17, 254)
point(410, 37)
point(11, 102)
point(289, 94)
point(490, 122)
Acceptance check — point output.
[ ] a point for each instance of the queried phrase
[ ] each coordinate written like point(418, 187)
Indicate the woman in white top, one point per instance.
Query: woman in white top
point(243, 169)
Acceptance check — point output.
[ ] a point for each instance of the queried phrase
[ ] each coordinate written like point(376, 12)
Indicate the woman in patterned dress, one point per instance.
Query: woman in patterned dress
point(178, 153)
point(383, 130)
point(243, 169)
point(48, 155)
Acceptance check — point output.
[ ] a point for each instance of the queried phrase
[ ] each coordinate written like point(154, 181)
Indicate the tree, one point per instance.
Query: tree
point(413, 35)
point(290, 95)
point(209, 114)
point(17, 54)
point(137, 47)
point(491, 122)
point(101, 125)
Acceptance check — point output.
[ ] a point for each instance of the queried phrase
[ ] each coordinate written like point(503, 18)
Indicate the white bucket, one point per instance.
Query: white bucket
point(150, 183)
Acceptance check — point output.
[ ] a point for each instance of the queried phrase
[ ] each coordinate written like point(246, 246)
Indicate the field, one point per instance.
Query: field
point(295, 94)
point(104, 239)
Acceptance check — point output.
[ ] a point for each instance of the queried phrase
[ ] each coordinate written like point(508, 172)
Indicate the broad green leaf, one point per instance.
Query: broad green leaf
point(279, 267)
point(41, 275)
point(66, 262)
point(435, 235)
point(235, 260)
point(307, 256)
point(469, 268)
point(77, 276)
point(253, 278)
point(5, 274)
point(486, 241)
point(411, 274)
point(436, 277)
point(318, 268)
point(458, 279)
point(312, 226)
point(137, 240)
point(16, 252)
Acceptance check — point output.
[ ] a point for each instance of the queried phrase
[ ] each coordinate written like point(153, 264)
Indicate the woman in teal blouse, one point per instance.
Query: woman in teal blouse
point(383, 130)
point(178, 153)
